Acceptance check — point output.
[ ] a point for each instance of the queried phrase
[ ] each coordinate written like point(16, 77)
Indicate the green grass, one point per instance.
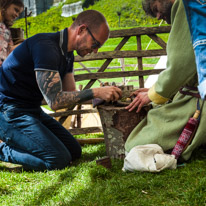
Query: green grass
point(132, 15)
point(87, 184)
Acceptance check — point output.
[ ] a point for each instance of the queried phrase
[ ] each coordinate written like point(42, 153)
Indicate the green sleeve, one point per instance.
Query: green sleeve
point(181, 66)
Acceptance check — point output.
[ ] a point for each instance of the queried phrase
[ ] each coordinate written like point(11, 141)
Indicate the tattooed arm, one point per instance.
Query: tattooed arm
point(50, 85)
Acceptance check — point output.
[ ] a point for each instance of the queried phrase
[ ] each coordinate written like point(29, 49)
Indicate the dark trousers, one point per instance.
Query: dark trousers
point(34, 139)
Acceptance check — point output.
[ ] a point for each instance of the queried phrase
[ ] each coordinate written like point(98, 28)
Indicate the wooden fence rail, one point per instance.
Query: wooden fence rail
point(107, 75)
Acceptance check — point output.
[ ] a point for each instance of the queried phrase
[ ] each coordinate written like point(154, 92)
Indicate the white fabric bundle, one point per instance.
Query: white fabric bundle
point(150, 157)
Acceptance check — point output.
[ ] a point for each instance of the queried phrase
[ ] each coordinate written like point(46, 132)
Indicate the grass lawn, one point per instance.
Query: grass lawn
point(87, 184)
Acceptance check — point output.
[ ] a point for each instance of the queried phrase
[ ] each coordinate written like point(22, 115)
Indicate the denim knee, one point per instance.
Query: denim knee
point(78, 153)
point(59, 162)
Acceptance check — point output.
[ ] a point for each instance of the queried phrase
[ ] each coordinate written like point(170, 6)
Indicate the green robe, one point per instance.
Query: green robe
point(164, 124)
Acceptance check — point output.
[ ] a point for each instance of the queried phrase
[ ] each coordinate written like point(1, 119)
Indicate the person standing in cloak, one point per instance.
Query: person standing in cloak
point(196, 17)
point(164, 123)
point(42, 66)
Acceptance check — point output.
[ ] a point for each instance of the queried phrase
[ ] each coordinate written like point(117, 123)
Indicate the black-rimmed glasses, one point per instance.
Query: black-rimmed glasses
point(96, 43)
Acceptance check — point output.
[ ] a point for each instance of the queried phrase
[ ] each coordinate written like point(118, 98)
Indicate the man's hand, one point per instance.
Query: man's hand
point(108, 93)
point(140, 100)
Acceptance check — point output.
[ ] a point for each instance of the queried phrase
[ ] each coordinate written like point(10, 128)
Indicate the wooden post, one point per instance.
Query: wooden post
point(25, 14)
point(139, 60)
point(79, 108)
point(123, 69)
point(26, 23)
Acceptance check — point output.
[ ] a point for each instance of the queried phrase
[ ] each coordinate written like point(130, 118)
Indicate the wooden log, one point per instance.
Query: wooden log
point(73, 112)
point(117, 124)
point(112, 67)
point(158, 40)
point(105, 162)
point(121, 54)
point(86, 130)
point(105, 75)
point(79, 122)
point(139, 61)
point(139, 31)
point(90, 141)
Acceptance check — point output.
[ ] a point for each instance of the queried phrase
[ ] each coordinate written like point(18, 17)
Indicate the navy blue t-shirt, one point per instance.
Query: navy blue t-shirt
point(46, 51)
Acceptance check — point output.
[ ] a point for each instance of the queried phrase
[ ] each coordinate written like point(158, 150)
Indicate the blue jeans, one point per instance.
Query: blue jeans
point(34, 139)
point(196, 16)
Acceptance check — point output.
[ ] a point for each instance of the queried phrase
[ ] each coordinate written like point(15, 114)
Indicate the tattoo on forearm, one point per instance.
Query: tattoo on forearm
point(51, 87)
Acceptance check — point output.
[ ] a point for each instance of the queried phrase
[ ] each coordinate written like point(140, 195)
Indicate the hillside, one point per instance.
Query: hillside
point(131, 12)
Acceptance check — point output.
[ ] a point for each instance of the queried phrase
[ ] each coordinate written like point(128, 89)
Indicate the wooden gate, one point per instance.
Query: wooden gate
point(108, 56)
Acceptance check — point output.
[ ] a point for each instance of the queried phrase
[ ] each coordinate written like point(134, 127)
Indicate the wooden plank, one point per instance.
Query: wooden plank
point(90, 141)
point(79, 122)
point(123, 68)
point(121, 54)
point(87, 69)
point(158, 40)
point(105, 75)
point(105, 162)
point(107, 62)
point(72, 112)
point(112, 67)
point(85, 130)
point(139, 60)
point(139, 31)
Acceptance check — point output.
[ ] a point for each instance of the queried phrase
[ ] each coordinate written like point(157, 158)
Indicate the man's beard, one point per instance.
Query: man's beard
point(81, 49)
point(82, 52)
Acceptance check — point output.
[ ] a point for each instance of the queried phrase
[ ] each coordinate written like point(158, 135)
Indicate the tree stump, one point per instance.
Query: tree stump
point(117, 124)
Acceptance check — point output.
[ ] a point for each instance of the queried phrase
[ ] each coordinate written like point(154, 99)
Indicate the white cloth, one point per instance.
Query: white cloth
point(149, 158)
point(161, 64)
